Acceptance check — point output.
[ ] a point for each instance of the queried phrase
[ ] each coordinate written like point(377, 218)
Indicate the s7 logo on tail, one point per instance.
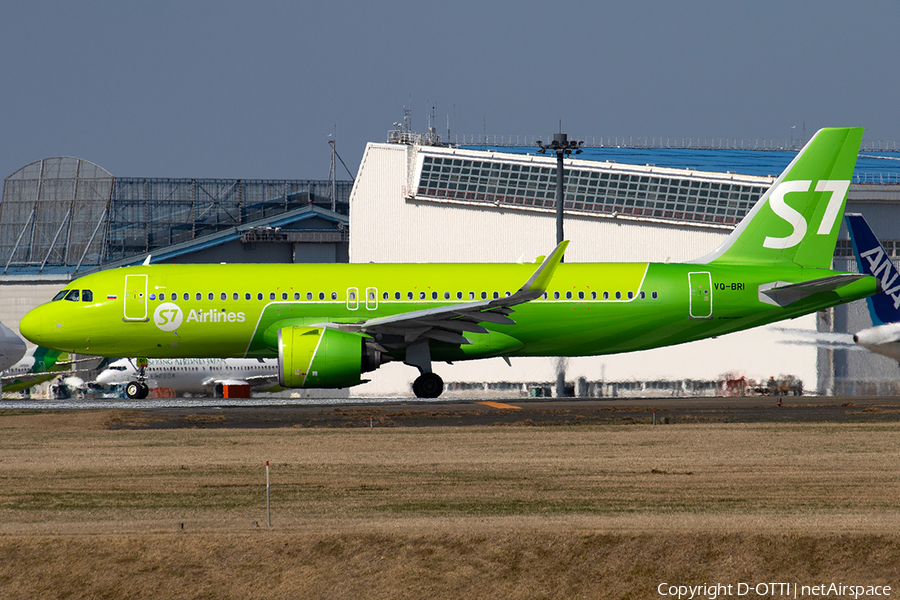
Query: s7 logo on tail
point(838, 189)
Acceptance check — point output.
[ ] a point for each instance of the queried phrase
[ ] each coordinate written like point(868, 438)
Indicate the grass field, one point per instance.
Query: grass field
point(455, 512)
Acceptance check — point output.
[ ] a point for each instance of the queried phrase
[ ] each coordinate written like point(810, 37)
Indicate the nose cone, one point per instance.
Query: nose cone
point(30, 326)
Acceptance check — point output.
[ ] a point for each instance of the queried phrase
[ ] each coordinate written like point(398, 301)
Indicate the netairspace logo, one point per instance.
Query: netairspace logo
point(772, 590)
point(169, 316)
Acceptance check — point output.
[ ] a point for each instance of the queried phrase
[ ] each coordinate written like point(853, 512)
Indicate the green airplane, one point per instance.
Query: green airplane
point(330, 324)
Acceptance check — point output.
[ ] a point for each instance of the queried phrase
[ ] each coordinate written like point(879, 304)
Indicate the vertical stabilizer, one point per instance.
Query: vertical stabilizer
point(796, 222)
point(872, 259)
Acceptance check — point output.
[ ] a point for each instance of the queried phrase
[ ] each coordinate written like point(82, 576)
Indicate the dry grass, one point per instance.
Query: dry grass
point(607, 511)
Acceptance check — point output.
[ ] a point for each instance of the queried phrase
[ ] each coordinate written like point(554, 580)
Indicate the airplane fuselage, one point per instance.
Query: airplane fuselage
point(183, 311)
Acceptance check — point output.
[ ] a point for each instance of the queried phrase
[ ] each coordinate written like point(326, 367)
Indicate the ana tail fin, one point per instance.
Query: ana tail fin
point(796, 222)
point(872, 259)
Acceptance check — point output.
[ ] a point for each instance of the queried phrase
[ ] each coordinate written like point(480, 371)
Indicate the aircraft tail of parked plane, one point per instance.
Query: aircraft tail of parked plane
point(330, 324)
point(873, 260)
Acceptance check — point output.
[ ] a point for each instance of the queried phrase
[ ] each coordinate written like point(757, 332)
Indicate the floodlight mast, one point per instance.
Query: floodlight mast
point(563, 147)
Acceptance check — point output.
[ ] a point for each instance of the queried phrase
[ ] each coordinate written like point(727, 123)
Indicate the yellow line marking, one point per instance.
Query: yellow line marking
point(499, 405)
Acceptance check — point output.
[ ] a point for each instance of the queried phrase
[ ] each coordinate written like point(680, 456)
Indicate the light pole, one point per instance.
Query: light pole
point(563, 147)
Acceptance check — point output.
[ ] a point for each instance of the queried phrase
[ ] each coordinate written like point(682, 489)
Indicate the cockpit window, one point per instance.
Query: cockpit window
point(73, 296)
point(87, 296)
point(60, 295)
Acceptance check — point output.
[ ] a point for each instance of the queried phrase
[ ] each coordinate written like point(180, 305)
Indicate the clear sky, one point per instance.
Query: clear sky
point(253, 89)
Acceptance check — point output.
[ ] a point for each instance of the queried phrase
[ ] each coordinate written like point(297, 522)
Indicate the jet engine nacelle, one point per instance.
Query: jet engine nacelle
point(319, 357)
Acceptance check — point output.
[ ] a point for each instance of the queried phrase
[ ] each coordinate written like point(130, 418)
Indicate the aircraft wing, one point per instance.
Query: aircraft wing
point(448, 323)
point(782, 294)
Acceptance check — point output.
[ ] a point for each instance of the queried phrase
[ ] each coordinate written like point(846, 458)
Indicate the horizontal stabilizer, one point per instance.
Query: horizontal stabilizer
point(780, 293)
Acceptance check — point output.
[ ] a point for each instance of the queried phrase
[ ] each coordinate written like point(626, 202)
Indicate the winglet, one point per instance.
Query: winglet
point(540, 279)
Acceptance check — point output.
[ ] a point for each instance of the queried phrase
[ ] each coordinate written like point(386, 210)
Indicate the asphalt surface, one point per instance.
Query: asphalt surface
point(521, 412)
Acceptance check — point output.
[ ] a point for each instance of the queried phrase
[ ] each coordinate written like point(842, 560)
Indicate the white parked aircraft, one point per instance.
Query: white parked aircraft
point(195, 375)
point(12, 347)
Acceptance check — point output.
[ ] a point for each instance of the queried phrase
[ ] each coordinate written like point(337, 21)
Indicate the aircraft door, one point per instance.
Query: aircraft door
point(700, 299)
point(352, 298)
point(371, 298)
point(135, 297)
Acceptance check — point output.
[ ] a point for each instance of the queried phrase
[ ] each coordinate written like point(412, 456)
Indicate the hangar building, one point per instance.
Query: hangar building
point(417, 201)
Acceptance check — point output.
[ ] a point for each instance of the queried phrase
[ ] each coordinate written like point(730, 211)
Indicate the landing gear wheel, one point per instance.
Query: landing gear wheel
point(137, 390)
point(428, 385)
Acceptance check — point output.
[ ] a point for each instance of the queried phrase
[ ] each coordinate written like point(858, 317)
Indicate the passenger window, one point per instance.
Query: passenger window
point(271, 295)
point(643, 295)
point(162, 296)
point(654, 295)
point(606, 295)
point(235, 296)
point(471, 295)
point(446, 295)
point(556, 295)
point(371, 295)
point(309, 295)
point(581, 295)
point(421, 295)
point(409, 295)
point(396, 295)
point(593, 295)
point(385, 296)
point(284, 296)
point(434, 295)
point(630, 295)
point(72, 296)
point(223, 296)
point(496, 295)
point(568, 295)
point(296, 295)
point(484, 295)
point(199, 296)
point(334, 295)
point(618, 295)
point(321, 295)
point(211, 296)
point(545, 296)
point(259, 296)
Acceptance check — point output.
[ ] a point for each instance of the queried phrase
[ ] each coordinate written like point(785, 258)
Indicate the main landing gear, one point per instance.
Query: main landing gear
point(427, 384)
point(138, 390)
